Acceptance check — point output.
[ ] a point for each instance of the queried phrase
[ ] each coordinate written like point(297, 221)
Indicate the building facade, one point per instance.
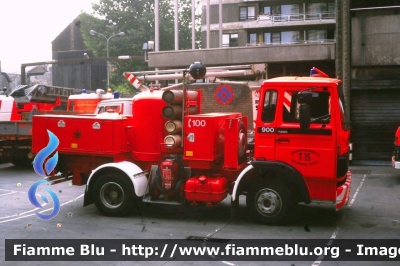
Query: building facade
point(73, 70)
point(274, 24)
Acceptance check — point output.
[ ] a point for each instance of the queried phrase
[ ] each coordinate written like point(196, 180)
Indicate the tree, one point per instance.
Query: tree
point(136, 19)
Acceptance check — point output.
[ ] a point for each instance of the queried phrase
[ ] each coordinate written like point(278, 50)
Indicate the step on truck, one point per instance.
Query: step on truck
point(160, 148)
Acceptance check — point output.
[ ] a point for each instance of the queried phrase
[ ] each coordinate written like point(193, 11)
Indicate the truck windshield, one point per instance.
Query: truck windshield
point(109, 109)
point(319, 107)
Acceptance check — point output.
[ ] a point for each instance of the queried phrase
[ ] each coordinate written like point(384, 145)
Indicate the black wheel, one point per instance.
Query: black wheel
point(114, 194)
point(270, 202)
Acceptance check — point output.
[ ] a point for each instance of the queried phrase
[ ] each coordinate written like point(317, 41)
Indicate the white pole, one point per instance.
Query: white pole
point(157, 25)
point(220, 24)
point(193, 24)
point(208, 23)
point(176, 27)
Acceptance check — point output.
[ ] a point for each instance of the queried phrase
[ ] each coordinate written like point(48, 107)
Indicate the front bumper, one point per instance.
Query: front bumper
point(343, 192)
point(395, 164)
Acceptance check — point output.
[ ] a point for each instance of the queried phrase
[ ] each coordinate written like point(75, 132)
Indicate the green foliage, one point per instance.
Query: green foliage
point(136, 19)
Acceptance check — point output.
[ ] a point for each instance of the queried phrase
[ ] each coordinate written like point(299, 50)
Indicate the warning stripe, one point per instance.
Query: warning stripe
point(329, 105)
point(287, 100)
point(133, 80)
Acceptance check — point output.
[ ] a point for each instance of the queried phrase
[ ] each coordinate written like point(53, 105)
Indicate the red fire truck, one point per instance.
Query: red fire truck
point(16, 112)
point(396, 153)
point(158, 147)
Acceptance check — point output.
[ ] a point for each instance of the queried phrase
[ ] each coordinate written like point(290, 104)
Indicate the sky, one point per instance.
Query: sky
point(27, 28)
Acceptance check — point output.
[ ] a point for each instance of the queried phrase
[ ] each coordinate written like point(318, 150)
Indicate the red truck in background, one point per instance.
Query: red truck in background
point(158, 147)
point(396, 153)
point(16, 112)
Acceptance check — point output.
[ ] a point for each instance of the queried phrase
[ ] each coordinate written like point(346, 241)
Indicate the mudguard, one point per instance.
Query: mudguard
point(134, 172)
point(288, 174)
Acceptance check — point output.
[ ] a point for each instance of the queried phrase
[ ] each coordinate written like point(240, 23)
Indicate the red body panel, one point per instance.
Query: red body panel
point(397, 137)
point(148, 131)
point(205, 139)
point(206, 189)
point(82, 135)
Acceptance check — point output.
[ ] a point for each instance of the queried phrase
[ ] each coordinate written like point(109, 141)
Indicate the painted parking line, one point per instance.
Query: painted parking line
point(13, 192)
point(19, 216)
point(333, 237)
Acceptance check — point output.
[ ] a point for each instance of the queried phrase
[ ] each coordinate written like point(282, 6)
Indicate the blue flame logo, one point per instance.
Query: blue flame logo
point(43, 165)
point(42, 155)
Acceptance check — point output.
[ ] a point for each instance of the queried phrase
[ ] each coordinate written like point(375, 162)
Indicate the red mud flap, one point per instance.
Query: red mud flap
point(343, 193)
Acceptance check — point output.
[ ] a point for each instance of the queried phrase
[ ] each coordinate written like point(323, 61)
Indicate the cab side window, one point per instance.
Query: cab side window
point(101, 110)
point(269, 106)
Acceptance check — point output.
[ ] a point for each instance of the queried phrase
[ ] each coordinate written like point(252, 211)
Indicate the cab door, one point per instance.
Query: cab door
point(311, 151)
point(266, 125)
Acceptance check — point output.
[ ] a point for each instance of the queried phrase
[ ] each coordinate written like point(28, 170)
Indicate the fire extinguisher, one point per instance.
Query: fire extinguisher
point(168, 174)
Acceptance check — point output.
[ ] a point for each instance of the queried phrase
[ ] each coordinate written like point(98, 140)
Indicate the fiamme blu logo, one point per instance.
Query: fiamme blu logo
point(43, 164)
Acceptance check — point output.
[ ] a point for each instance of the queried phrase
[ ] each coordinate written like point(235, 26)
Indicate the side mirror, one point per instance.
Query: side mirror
point(304, 97)
point(304, 116)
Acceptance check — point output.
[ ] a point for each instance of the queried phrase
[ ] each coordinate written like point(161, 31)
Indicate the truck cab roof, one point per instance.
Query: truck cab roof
point(297, 79)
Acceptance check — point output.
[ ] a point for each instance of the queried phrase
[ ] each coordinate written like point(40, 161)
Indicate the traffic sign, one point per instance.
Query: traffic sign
point(224, 94)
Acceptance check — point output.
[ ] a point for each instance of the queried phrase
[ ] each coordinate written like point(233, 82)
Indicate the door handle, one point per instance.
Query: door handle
point(283, 140)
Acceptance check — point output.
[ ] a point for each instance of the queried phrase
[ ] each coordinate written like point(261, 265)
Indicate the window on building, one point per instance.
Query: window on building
point(290, 9)
point(253, 38)
point(289, 37)
point(276, 38)
point(246, 13)
point(267, 10)
point(251, 12)
point(321, 10)
point(242, 13)
point(317, 35)
point(267, 37)
point(276, 10)
point(230, 40)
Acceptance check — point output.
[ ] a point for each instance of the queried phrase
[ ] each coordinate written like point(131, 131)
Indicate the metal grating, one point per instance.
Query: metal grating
point(207, 239)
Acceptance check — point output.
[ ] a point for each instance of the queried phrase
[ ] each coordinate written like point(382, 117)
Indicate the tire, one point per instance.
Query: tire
point(270, 202)
point(114, 194)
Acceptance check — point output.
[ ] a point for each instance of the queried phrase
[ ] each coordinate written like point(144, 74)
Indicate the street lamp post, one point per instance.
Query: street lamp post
point(93, 32)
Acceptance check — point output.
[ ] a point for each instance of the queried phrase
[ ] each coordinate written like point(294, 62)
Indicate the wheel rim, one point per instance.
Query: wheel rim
point(268, 202)
point(112, 195)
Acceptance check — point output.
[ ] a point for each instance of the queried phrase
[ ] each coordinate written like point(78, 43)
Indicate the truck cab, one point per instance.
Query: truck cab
point(301, 150)
point(8, 108)
point(121, 106)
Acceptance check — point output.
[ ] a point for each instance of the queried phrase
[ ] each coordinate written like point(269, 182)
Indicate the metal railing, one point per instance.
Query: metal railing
point(292, 42)
point(297, 17)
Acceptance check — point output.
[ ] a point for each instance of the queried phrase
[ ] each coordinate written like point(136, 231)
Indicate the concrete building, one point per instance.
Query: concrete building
point(374, 78)
point(39, 75)
point(73, 69)
point(5, 80)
